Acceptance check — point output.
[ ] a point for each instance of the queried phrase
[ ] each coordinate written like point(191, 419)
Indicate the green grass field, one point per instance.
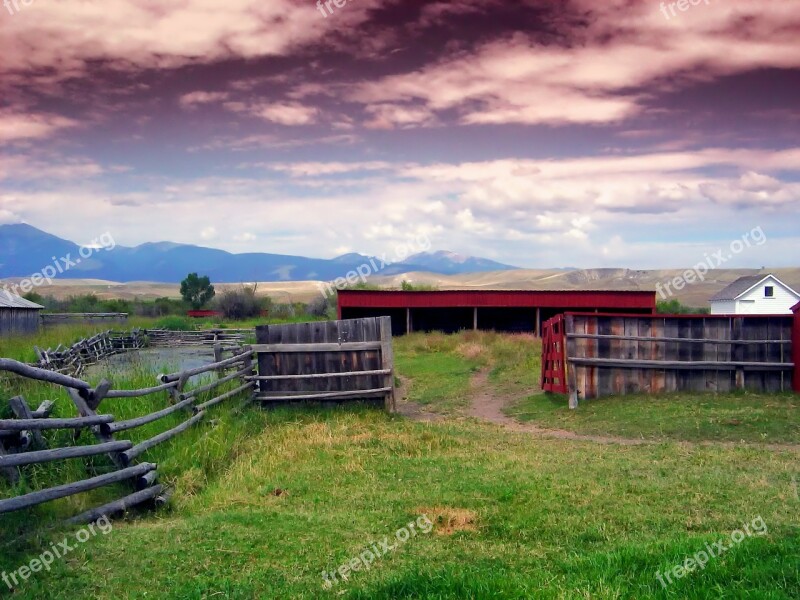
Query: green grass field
point(266, 502)
point(739, 417)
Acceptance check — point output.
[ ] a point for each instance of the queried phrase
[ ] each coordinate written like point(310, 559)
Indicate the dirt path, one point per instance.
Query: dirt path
point(488, 406)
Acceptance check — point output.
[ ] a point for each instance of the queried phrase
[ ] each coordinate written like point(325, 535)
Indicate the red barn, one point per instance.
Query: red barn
point(501, 310)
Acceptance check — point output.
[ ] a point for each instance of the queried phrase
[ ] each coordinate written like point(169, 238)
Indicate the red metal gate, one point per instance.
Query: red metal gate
point(554, 364)
point(796, 347)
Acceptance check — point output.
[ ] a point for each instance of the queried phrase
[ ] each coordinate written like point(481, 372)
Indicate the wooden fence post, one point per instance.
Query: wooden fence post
point(737, 352)
point(83, 402)
point(22, 411)
point(387, 361)
point(11, 473)
point(570, 346)
point(218, 357)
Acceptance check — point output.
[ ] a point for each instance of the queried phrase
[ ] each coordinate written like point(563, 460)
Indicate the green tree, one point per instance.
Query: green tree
point(197, 290)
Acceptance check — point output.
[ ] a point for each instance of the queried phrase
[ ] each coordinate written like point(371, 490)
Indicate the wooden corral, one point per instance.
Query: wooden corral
point(326, 361)
point(623, 354)
point(17, 315)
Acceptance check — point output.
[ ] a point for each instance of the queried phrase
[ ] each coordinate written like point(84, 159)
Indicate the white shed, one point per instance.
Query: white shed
point(755, 295)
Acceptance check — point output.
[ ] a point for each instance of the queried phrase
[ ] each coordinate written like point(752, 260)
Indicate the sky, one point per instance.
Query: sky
point(541, 134)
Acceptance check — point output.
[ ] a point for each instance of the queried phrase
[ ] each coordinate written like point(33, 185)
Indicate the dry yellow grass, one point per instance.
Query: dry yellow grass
point(447, 520)
point(471, 350)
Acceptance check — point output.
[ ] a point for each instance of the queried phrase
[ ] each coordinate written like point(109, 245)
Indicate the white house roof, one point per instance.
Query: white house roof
point(743, 285)
point(9, 300)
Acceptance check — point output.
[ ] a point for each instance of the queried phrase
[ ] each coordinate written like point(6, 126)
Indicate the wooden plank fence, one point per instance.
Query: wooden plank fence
point(22, 443)
point(328, 361)
point(623, 354)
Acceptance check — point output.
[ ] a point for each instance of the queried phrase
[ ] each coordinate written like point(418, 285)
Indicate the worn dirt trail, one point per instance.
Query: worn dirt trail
point(487, 405)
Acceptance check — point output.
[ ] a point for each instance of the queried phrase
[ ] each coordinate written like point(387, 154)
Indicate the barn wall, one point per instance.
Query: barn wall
point(16, 321)
point(498, 310)
point(723, 307)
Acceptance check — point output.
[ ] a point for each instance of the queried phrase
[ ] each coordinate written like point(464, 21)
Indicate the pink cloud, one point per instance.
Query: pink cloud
point(17, 126)
point(602, 74)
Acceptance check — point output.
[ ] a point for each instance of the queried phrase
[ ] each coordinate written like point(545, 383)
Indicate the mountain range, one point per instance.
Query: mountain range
point(25, 250)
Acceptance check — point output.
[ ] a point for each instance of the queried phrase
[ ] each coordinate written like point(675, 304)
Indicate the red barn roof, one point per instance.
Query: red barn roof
point(566, 299)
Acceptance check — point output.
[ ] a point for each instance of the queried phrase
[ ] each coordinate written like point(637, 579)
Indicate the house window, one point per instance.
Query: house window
point(769, 291)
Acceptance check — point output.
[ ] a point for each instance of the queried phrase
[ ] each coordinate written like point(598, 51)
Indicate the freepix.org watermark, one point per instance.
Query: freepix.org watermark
point(326, 4)
point(60, 266)
point(13, 5)
point(754, 237)
point(420, 243)
point(56, 551)
point(756, 527)
point(376, 551)
point(668, 8)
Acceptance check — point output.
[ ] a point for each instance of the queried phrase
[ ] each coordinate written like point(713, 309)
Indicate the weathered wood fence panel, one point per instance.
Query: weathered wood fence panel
point(326, 361)
point(624, 354)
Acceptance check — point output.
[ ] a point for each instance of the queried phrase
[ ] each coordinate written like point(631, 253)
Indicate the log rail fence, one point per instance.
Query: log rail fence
point(22, 442)
point(326, 361)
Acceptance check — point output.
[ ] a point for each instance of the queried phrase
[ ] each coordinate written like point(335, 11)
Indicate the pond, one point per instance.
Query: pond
point(155, 360)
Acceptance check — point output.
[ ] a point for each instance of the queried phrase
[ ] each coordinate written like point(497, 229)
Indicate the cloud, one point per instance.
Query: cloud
point(194, 99)
point(289, 114)
point(390, 116)
point(752, 190)
point(602, 72)
point(247, 143)
point(63, 39)
point(8, 217)
point(281, 113)
point(46, 167)
point(208, 233)
point(17, 126)
point(313, 169)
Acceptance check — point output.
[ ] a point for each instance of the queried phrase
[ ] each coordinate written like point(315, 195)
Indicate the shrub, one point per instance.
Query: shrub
point(674, 307)
point(407, 286)
point(322, 306)
point(239, 303)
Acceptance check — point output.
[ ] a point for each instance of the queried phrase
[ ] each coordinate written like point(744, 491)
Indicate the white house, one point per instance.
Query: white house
point(755, 295)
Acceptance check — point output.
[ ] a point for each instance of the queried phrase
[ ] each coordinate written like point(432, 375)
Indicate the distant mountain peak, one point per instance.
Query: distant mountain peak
point(350, 257)
point(440, 254)
point(447, 262)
